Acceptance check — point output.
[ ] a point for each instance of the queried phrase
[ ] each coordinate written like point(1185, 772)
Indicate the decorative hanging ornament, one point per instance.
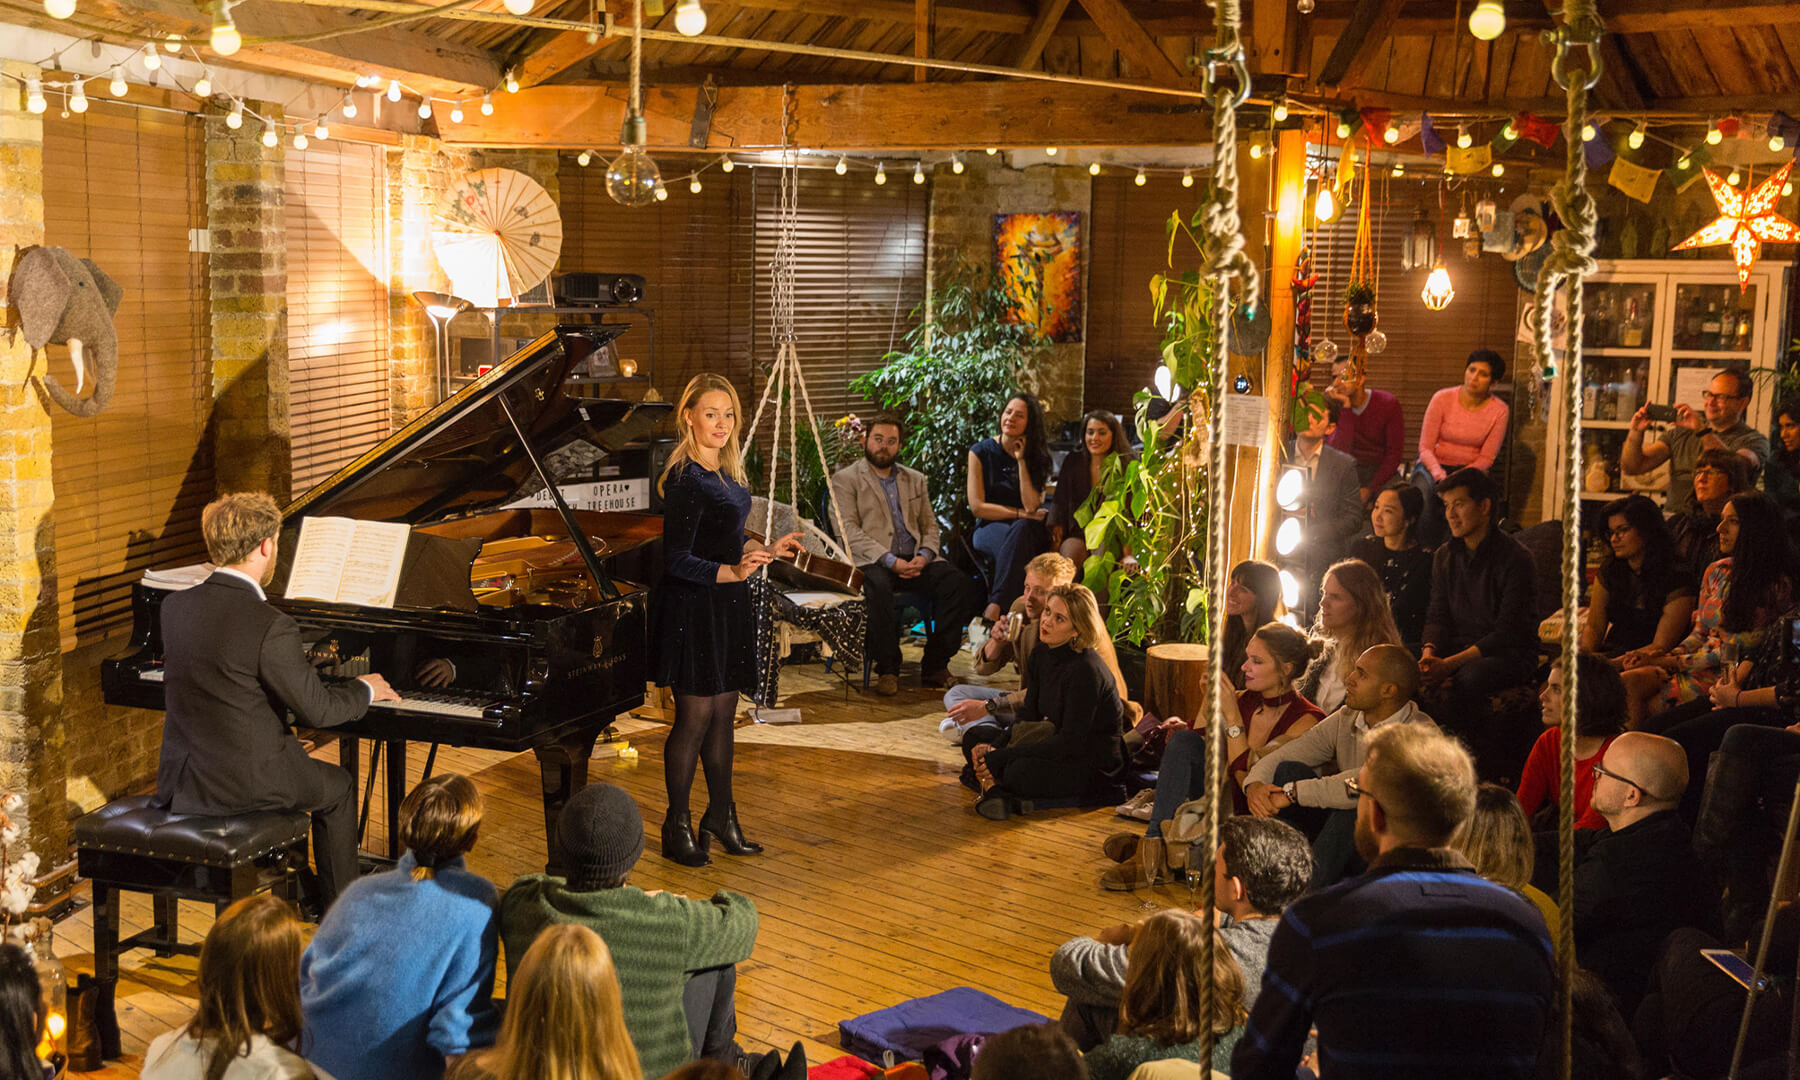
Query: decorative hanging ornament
point(633, 179)
point(1375, 342)
point(1325, 352)
point(1418, 247)
point(1438, 291)
point(1485, 211)
point(1746, 222)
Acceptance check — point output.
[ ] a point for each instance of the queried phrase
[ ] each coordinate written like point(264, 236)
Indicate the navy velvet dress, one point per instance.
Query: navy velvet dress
point(702, 635)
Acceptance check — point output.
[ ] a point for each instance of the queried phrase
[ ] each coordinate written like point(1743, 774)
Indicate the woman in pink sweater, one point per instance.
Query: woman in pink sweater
point(1464, 426)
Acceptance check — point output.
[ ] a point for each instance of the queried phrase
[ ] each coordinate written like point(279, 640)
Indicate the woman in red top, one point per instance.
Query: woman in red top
point(1599, 717)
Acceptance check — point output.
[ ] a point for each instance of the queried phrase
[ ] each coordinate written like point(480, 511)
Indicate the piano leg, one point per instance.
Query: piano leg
point(396, 794)
point(564, 767)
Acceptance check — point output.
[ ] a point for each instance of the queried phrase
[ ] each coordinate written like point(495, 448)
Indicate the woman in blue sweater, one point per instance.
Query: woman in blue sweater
point(400, 976)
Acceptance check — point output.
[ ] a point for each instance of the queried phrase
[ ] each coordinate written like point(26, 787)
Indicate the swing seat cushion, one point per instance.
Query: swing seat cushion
point(912, 1027)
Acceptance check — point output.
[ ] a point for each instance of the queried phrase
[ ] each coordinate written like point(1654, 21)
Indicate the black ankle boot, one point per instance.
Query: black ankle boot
point(725, 827)
point(1726, 803)
point(680, 844)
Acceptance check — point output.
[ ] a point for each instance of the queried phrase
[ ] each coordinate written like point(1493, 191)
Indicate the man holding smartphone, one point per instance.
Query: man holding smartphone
point(1720, 427)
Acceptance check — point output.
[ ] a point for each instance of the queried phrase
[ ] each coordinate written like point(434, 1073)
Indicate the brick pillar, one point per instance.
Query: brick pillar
point(244, 201)
point(32, 760)
point(420, 172)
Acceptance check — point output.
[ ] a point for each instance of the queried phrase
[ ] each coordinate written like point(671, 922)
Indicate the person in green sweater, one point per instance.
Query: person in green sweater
point(1159, 1014)
point(676, 957)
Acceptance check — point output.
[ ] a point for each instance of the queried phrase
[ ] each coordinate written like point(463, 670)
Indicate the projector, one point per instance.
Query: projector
point(599, 290)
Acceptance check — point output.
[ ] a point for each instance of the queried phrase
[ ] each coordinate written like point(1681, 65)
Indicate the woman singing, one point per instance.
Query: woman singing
point(701, 630)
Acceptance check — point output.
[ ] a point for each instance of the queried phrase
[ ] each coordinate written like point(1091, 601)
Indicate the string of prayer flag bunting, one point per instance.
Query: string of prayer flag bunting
point(1538, 130)
point(1634, 180)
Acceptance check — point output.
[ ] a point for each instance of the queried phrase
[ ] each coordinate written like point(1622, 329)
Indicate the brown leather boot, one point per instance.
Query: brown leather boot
point(1151, 867)
point(1122, 846)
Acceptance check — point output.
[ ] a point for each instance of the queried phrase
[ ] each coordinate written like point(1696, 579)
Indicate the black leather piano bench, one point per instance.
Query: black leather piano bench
point(129, 845)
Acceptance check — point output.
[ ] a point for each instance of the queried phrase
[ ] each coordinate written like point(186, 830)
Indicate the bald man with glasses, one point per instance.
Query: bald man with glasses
point(1637, 880)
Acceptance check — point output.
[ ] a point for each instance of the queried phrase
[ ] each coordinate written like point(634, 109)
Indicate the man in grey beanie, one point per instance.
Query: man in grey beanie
point(675, 957)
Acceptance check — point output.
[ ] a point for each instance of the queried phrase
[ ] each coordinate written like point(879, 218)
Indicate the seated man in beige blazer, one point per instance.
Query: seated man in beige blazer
point(892, 534)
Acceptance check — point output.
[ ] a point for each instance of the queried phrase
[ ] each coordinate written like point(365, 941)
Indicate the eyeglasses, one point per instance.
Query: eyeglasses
point(1708, 470)
point(1355, 789)
point(1601, 770)
point(1708, 395)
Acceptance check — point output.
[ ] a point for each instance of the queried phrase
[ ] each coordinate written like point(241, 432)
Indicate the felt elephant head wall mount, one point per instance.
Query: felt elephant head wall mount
point(63, 299)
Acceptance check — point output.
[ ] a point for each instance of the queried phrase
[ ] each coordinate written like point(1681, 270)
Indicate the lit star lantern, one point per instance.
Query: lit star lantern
point(1746, 222)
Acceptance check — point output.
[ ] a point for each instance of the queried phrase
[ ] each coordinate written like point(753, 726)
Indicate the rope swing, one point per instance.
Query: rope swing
point(1570, 260)
point(1222, 259)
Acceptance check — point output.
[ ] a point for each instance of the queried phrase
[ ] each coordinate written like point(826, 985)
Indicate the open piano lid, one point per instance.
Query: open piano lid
point(463, 456)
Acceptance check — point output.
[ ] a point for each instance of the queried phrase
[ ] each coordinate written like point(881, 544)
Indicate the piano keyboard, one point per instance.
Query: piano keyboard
point(154, 674)
point(415, 701)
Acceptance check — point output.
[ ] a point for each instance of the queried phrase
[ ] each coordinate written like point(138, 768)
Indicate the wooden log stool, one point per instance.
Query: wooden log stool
point(1175, 681)
point(129, 845)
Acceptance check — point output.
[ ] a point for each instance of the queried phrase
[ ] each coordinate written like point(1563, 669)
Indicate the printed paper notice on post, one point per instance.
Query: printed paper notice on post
point(1246, 420)
point(348, 562)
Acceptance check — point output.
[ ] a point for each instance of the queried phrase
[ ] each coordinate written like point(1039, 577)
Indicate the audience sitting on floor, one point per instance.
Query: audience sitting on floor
point(1643, 598)
point(1397, 556)
point(1464, 427)
point(21, 1016)
point(1074, 693)
point(399, 977)
point(1303, 781)
point(1270, 712)
point(891, 532)
point(1718, 475)
point(1481, 630)
point(1687, 1025)
point(1740, 596)
point(566, 1014)
point(1102, 442)
point(1008, 473)
point(248, 1017)
point(675, 957)
point(1334, 506)
point(1720, 426)
point(1418, 968)
point(1252, 593)
point(1353, 617)
point(1032, 1052)
point(1497, 842)
point(1637, 880)
point(1262, 865)
point(1599, 717)
point(1371, 426)
point(1160, 1015)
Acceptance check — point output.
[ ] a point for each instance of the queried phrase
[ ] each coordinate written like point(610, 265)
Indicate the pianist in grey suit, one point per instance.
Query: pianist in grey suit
point(232, 670)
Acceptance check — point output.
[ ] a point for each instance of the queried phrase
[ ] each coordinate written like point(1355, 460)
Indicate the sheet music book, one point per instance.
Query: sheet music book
point(347, 561)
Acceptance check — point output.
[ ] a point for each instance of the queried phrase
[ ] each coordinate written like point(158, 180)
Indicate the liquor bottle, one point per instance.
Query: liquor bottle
point(1632, 337)
point(1727, 327)
point(1709, 328)
point(1690, 326)
point(1743, 331)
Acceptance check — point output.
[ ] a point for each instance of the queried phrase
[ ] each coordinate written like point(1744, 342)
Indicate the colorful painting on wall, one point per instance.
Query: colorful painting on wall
point(1039, 256)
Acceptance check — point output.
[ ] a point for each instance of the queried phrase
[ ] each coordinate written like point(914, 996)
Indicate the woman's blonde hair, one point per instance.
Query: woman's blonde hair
point(1374, 618)
point(439, 820)
point(564, 1017)
point(1497, 838)
point(1162, 994)
point(1084, 612)
point(249, 981)
point(731, 458)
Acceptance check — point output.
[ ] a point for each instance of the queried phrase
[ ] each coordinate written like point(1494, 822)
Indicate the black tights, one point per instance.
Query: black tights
point(703, 734)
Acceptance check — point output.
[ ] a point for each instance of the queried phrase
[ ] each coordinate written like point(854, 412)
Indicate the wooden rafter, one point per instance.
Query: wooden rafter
point(1123, 31)
point(1031, 47)
point(1370, 27)
point(924, 34)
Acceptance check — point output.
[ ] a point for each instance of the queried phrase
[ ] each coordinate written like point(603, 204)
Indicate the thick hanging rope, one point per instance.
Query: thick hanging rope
point(1222, 259)
point(1570, 260)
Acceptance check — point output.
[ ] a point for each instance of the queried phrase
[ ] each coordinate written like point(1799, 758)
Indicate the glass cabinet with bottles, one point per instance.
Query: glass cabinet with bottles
point(1655, 332)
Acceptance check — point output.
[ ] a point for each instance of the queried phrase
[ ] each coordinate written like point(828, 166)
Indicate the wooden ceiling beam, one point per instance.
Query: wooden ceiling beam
point(1122, 29)
point(561, 52)
point(1370, 26)
point(1031, 48)
point(1652, 16)
point(924, 35)
point(866, 118)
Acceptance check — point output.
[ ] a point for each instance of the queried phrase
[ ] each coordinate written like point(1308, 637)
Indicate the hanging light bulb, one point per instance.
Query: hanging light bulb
point(992, 150)
point(584, 159)
point(694, 185)
point(203, 86)
point(840, 168)
point(662, 193)
point(1588, 131)
point(1140, 178)
point(1787, 189)
point(117, 87)
point(690, 18)
point(78, 102)
point(519, 7)
point(1093, 168)
point(300, 140)
point(1398, 169)
point(152, 58)
point(393, 90)
point(1464, 140)
point(1488, 20)
point(1050, 151)
point(512, 82)
point(59, 9)
point(456, 113)
point(1511, 131)
point(320, 131)
point(1438, 291)
point(269, 138)
point(918, 172)
point(1499, 168)
point(1390, 134)
point(727, 165)
point(1280, 111)
point(1187, 178)
point(34, 95)
point(1325, 207)
point(1714, 136)
point(172, 44)
point(633, 179)
point(1343, 129)
point(1635, 140)
point(1304, 7)
point(487, 104)
point(235, 118)
point(1735, 178)
point(425, 108)
point(1686, 162)
point(880, 173)
point(1256, 151)
point(225, 39)
point(956, 164)
point(1777, 143)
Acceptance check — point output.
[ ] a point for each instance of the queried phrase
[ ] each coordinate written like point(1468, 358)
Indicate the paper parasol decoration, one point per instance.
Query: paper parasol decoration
point(1746, 222)
point(497, 235)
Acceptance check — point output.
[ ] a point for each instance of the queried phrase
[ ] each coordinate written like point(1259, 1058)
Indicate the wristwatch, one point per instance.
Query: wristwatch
point(992, 705)
point(1288, 790)
point(1234, 731)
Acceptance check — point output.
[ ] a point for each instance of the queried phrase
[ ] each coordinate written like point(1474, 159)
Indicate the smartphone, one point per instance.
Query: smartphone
point(1662, 414)
point(1737, 967)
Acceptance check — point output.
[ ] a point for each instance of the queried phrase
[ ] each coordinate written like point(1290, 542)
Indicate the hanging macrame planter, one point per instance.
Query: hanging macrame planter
point(1359, 294)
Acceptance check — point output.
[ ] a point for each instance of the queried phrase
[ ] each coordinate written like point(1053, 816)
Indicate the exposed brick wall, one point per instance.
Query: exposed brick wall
point(962, 227)
point(244, 200)
point(419, 171)
point(112, 749)
point(31, 729)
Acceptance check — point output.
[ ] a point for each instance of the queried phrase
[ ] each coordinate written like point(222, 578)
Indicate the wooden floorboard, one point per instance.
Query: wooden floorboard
point(879, 884)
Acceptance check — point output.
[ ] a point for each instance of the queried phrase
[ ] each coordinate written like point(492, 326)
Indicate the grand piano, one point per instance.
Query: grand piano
point(529, 602)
